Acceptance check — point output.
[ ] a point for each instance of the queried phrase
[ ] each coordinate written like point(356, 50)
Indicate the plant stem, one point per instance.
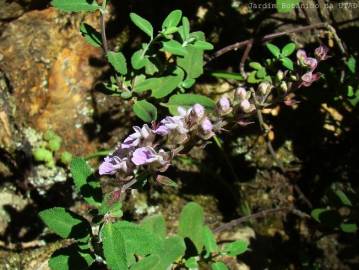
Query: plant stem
point(97, 154)
point(103, 27)
point(262, 214)
point(269, 37)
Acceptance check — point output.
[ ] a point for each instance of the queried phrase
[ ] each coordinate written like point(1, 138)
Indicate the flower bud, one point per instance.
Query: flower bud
point(264, 87)
point(241, 93)
point(284, 87)
point(294, 77)
point(224, 106)
point(197, 111)
point(206, 125)
point(246, 106)
point(280, 75)
point(206, 129)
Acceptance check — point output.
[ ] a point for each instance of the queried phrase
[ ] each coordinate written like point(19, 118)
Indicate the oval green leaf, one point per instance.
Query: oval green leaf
point(145, 111)
point(142, 23)
point(118, 61)
point(75, 5)
point(172, 19)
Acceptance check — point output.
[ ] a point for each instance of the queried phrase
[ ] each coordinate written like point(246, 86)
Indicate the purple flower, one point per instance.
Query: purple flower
point(224, 106)
point(321, 53)
point(133, 140)
point(206, 125)
point(112, 164)
point(107, 167)
point(206, 129)
point(308, 78)
point(197, 111)
point(171, 123)
point(144, 155)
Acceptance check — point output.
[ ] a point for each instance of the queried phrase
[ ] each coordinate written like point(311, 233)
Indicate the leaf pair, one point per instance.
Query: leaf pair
point(283, 54)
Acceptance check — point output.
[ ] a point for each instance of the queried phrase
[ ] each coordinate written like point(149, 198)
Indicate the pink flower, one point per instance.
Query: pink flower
point(321, 53)
point(310, 62)
point(301, 55)
point(308, 78)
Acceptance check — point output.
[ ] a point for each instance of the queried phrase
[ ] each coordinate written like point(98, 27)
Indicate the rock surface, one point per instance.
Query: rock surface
point(47, 63)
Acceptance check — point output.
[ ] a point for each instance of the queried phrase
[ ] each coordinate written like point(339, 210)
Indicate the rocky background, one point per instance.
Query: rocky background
point(49, 80)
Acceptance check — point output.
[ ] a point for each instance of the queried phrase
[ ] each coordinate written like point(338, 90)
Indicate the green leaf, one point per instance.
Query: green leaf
point(203, 45)
point(118, 61)
point(111, 208)
point(145, 111)
point(226, 75)
point(138, 59)
point(171, 30)
point(164, 180)
point(91, 35)
point(219, 266)
point(192, 62)
point(173, 249)
point(349, 227)
point(148, 263)
point(343, 198)
point(75, 5)
point(252, 77)
point(138, 240)
point(163, 86)
point(185, 27)
point(284, 6)
point(209, 240)
point(351, 64)
point(273, 49)
point(155, 224)
point(286, 62)
point(150, 66)
point(66, 223)
point(188, 83)
point(327, 217)
point(172, 19)
point(71, 258)
point(288, 49)
point(191, 224)
point(89, 187)
point(142, 23)
point(255, 65)
point(236, 248)
point(114, 247)
point(261, 73)
point(317, 212)
point(191, 263)
point(174, 47)
point(188, 100)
